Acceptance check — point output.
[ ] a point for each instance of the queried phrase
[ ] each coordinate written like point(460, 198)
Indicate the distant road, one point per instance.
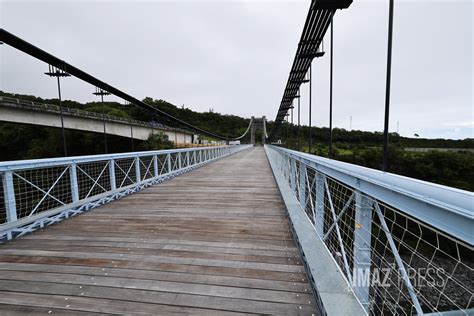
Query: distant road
point(27, 112)
point(417, 149)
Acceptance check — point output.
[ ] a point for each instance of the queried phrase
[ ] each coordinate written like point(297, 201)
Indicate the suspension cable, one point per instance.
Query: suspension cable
point(28, 48)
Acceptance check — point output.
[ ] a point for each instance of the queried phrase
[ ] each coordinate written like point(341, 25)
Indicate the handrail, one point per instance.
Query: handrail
point(375, 224)
point(446, 208)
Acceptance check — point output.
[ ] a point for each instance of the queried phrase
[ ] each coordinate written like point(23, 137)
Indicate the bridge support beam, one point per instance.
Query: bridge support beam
point(252, 132)
point(362, 247)
point(258, 124)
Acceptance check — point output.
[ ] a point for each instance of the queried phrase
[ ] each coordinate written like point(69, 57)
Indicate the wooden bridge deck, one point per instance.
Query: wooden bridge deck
point(213, 241)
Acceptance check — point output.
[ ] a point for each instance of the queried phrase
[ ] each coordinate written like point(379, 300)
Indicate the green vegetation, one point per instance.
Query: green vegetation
point(157, 142)
point(452, 168)
point(19, 141)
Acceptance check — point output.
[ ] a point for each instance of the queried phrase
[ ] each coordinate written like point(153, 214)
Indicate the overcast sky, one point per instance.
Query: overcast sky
point(234, 57)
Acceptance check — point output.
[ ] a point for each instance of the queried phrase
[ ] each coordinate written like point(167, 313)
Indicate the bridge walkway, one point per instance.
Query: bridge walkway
point(215, 240)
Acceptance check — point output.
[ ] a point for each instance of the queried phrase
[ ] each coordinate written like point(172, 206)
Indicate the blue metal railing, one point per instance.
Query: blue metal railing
point(404, 246)
point(37, 193)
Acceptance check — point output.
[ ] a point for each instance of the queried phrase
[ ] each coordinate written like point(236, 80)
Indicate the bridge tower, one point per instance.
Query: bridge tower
point(258, 124)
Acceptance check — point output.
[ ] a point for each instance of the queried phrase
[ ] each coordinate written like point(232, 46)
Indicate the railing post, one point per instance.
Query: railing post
point(137, 168)
point(320, 190)
point(113, 184)
point(179, 161)
point(169, 163)
point(9, 195)
point(293, 175)
point(73, 180)
point(187, 158)
point(155, 166)
point(362, 247)
point(302, 184)
point(194, 155)
point(200, 156)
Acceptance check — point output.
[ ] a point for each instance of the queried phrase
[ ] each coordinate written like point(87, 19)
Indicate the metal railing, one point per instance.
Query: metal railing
point(51, 108)
point(37, 193)
point(404, 246)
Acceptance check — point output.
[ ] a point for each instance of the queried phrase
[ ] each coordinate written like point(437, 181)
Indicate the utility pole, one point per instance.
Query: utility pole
point(299, 116)
point(55, 72)
point(387, 88)
point(131, 130)
point(330, 88)
point(292, 120)
point(310, 86)
point(102, 92)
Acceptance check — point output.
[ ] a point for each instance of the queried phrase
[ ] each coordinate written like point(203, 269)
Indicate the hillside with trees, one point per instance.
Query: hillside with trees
point(454, 168)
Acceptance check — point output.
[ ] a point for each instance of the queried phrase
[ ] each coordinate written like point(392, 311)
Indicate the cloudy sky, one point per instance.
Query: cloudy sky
point(234, 57)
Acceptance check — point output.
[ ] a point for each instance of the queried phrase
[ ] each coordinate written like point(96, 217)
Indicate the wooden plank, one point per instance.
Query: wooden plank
point(154, 266)
point(216, 240)
point(169, 245)
point(282, 259)
point(298, 286)
point(247, 293)
point(130, 255)
point(167, 241)
point(187, 302)
point(100, 305)
point(21, 310)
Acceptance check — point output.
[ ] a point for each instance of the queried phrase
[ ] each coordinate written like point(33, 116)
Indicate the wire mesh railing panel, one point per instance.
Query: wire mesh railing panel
point(340, 222)
point(162, 161)
point(184, 160)
point(147, 169)
point(308, 183)
point(125, 173)
point(192, 158)
point(440, 268)
point(174, 158)
point(395, 263)
point(297, 188)
point(93, 178)
point(38, 190)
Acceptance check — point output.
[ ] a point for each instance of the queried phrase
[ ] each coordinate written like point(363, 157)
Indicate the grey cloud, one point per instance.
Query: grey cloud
point(234, 57)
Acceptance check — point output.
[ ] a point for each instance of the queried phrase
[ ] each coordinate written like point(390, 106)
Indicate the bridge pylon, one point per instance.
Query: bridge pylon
point(258, 124)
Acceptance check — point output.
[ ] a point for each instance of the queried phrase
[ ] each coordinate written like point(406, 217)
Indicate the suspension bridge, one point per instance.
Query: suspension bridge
point(228, 229)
